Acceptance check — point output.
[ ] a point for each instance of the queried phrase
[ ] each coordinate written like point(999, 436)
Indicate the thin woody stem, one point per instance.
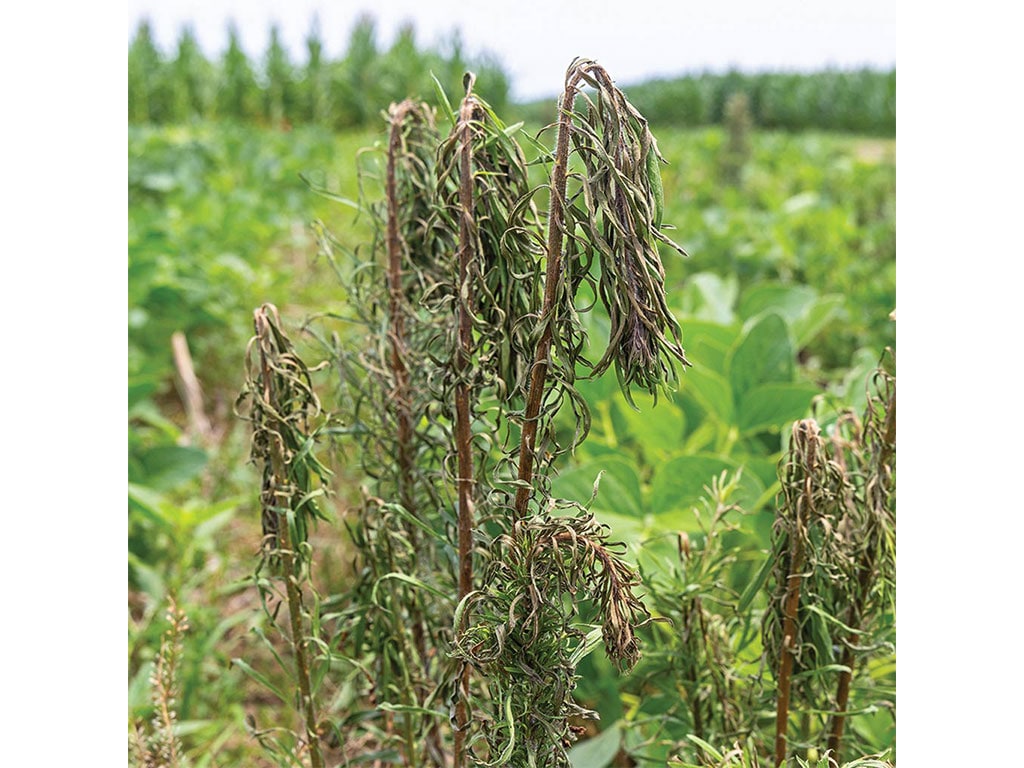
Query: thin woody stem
point(791, 603)
point(552, 278)
point(865, 575)
point(835, 736)
point(401, 394)
point(284, 544)
point(463, 433)
point(397, 331)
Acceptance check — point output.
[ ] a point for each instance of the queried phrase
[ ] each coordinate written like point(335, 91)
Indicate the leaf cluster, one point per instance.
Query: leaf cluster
point(279, 401)
point(834, 549)
point(547, 578)
point(620, 220)
point(397, 615)
point(503, 228)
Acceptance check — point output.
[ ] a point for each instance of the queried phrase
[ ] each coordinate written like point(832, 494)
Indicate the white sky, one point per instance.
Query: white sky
point(535, 40)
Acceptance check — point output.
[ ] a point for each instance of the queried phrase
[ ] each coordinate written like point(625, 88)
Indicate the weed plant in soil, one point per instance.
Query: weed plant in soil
point(782, 307)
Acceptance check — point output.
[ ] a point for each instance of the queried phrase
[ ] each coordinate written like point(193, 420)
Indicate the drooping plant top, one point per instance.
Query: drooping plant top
point(622, 221)
point(610, 212)
point(553, 571)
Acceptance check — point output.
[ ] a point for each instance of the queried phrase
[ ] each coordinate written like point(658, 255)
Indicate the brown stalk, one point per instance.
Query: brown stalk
point(463, 433)
point(835, 735)
point(552, 278)
point(691, 663)
point(279, 474)
point(401, 395)
point(864, 577)
point(804, 432)
point(190, 391)
point(396, 333)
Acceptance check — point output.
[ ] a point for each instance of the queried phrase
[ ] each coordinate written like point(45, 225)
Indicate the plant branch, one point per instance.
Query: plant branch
point(879, 485)
point(463, 432)
point(401, 395)
point(805, 436)
point(553, 276)
point(279, 480)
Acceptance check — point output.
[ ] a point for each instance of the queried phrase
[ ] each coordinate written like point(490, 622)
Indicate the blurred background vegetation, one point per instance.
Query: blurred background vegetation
point(780, 186)
point(183, 85)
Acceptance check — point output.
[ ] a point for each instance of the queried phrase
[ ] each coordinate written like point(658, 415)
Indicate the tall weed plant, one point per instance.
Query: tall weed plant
point(480, 592)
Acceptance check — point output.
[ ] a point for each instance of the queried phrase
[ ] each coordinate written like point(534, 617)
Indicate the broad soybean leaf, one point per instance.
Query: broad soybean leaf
point(711, 297)
point(703, 332)
point(790, 301)
point(599, 751)
point(679, 484)
point(659, 429)
point(764, 355)
point(596, 390)
point(764, 468)
point(772, 406)
point(815, 318)
point(167, 466)
point(618, 489)
point(629, 529)
point(712, 391)
point(707, 344)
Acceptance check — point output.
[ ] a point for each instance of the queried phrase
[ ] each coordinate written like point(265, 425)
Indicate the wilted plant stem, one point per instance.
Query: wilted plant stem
point(301, 665)
point(866, 574)
point(405, 119)
point(463, 432)
point(397, 330)
point(555, 240)
point(835, 735)
point(294, 594)
point(791, 603)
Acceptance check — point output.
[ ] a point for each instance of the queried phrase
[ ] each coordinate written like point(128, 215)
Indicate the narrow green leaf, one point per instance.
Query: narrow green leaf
point(262, 679)
point(405, 578)
point(705, 746)
point(327, 194)
point(442, 97)
point(589, 642)
point(409, 709)
point(754, 586)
